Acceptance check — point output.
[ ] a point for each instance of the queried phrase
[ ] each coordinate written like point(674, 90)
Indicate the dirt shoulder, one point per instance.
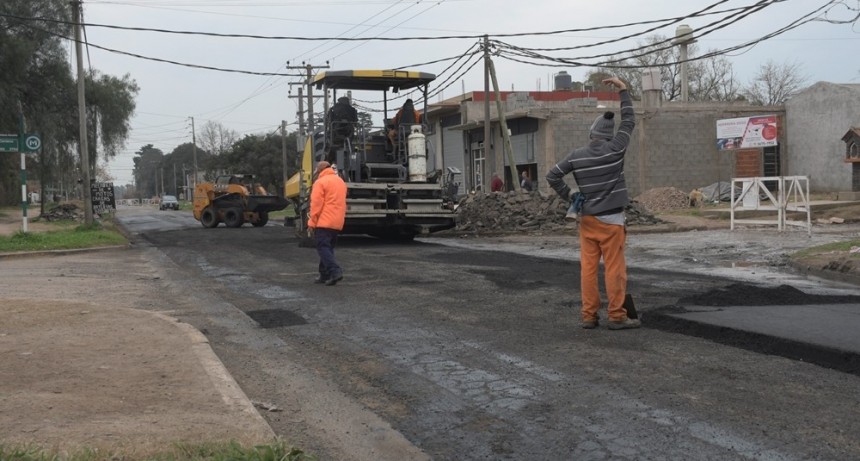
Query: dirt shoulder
point(12, 221)
point(84, 364)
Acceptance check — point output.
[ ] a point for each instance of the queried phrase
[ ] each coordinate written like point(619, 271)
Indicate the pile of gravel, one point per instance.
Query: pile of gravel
point(664, 199)
point(526, 211)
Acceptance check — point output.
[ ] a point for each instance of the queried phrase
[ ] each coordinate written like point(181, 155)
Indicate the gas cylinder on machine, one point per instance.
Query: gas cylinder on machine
point(417, 150)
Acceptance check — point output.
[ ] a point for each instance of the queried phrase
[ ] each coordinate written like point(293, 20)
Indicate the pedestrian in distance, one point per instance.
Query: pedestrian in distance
point(598, 169)
point(327, 216)
point(496, 184)
point(526, 182)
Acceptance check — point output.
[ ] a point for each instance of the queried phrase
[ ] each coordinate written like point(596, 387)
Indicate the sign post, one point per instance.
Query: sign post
point(23, 143)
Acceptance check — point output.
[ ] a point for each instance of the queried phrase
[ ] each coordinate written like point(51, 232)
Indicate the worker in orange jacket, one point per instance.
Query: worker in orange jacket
point(328, 213)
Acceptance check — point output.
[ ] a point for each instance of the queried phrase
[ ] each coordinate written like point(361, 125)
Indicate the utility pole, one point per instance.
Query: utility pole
point(309, 73)
point(82, 115)
point(194, 154)
point(175, 190)
point(509, 151)
point(284, 148)
point(487, 63)
point(301, 113)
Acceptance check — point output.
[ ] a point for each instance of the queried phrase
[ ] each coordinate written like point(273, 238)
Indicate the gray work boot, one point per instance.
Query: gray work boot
point(589, 324)
point(625, 324)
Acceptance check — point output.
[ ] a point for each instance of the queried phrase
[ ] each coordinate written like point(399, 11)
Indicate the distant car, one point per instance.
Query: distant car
point(168, 201)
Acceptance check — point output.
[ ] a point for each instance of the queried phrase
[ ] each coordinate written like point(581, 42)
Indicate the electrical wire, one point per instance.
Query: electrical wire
point(612, 63)
point(651, 47)
point(406, 38)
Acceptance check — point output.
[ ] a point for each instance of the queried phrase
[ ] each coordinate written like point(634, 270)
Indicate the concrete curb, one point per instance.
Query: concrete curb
point(221, 379)
point(27, 254)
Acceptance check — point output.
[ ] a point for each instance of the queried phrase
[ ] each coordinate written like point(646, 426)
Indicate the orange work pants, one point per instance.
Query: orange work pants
point(597, 239)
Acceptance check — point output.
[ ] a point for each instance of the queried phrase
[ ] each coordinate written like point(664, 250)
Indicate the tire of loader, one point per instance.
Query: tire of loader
point(233, 217)
point(209, 218)
point(264, 218)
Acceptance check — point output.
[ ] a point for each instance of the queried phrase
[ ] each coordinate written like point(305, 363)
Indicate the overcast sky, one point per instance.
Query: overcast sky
point(170, 94)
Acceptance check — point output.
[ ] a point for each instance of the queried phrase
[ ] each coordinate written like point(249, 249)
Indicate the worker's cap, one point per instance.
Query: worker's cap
point(603, 126)
point(322, 165)
point(343, 99)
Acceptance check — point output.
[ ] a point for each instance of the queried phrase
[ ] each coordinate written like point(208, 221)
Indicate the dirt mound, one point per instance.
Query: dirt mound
point(664, 199)
point(517, 211)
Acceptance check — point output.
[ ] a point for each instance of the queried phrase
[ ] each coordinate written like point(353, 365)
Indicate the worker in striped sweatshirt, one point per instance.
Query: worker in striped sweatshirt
point(598, 170)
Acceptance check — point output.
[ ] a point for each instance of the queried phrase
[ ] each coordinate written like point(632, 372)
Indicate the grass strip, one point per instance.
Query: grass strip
point(209, 451)
point(65, 238)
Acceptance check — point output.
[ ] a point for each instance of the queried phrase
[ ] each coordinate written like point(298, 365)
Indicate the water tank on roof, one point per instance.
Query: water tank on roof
point(683, 35)
point(563, 81)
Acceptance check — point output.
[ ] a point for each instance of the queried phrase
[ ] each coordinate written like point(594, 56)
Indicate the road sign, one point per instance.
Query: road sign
point(32, 142)
point(8, 143)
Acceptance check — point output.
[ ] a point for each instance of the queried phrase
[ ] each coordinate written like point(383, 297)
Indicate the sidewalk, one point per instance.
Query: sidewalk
point(82, 365)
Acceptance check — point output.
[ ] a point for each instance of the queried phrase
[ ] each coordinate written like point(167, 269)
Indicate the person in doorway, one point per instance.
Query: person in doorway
point(496, 184)
point(326, 219)
point(526, 182)
point(598, 169)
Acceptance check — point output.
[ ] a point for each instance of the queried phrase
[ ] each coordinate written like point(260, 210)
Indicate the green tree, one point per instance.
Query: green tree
point(365, 121)
point(110, 105)
point(147, 166)
point(36, 73)
point(181, 161)
point(262, 156)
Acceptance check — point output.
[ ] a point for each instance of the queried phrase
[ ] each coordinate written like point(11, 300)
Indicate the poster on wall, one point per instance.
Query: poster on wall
point(746, 132)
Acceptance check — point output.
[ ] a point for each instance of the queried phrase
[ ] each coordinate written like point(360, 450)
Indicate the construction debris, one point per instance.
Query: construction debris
point(524, 212)
point(64, 212)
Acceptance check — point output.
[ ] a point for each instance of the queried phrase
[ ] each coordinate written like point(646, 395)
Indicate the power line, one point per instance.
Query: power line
point(650, 48)
point(407, 38)
point(509, 51)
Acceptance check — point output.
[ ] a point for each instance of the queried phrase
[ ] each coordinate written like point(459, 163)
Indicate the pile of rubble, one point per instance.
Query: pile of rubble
point(525, 212)
point(510, 211)
point(664, 199)
point(64, 212)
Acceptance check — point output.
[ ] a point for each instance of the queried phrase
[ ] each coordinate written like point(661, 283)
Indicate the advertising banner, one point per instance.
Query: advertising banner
point(746, 132)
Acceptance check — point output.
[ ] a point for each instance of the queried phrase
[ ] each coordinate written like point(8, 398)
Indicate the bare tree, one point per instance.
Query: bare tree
point(710, 79)
point(775, 83)
point(713, 79)
point(216, 138)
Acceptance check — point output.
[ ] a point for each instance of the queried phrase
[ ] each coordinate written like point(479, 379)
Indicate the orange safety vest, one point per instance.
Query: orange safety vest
point(328, 201)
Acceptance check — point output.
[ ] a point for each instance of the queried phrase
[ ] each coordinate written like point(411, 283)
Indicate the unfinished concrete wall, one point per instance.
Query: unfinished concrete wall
point(672, 146)
point(817, 118)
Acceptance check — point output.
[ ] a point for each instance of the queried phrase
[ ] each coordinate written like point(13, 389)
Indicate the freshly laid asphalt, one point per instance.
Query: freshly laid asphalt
point(835, 326)
point(829, 330)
